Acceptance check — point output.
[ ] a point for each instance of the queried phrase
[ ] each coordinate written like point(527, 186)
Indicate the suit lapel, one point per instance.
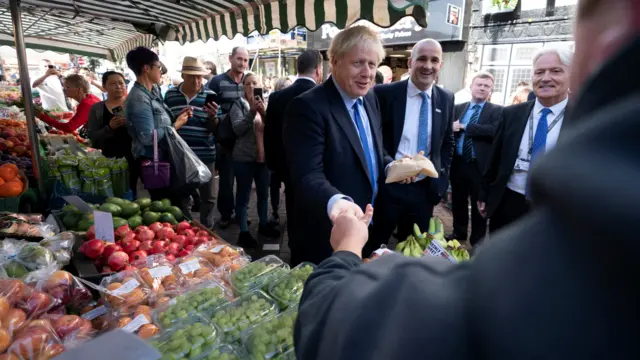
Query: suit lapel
point(343, 118)
point(399, 107)
point(519, 127)
point(459, 118)
point(485, 113)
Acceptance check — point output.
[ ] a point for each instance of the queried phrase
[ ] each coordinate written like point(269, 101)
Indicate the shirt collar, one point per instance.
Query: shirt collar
point(306, 78)
point(202, 89)
point(348, 101)
point(412, 90)
point(555, 109)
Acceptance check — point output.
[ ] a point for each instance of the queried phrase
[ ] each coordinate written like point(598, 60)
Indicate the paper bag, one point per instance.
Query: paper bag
point(405, 168)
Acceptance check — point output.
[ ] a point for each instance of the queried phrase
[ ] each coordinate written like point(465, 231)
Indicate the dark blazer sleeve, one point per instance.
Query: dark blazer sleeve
point(448, 143)
point(486, 130)
point(271, 132)
point(493, 166)
point(304, 143)
point(349, 311)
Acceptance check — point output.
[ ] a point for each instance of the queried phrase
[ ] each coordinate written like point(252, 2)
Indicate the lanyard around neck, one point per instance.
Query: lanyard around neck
point(549, 128)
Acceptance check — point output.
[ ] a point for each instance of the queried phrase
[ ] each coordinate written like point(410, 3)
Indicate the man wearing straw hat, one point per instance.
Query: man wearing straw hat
point(198, 131)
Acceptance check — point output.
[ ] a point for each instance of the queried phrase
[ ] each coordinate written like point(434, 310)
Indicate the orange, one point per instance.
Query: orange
point(10, 189)
point(5, 340)
point(8, 171)
point(147, 331)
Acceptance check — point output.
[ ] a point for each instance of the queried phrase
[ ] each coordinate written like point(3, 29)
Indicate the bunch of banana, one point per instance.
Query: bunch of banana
point(410, 247)
point(436, 228)
point(456, 250)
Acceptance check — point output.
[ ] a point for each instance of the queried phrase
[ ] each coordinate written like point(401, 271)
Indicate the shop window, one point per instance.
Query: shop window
point(500, 78)
point(496, 54)
point(566, 2)
point(522, 54)
point(568, 44)
point(516, 75)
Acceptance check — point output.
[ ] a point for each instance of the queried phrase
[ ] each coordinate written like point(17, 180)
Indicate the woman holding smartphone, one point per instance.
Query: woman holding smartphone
point(247, 115)
point(106, 125)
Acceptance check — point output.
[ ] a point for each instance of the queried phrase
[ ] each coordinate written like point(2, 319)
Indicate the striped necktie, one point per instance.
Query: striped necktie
point(467, 144)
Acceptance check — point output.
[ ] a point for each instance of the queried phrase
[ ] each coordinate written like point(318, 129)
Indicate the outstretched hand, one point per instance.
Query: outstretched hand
point(350, 232)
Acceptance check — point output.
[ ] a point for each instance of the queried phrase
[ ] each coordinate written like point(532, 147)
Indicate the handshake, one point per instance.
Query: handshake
point(350, 226)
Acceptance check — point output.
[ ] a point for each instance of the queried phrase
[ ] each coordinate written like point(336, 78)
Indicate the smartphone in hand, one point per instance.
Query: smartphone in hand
point(118, 111)
point(257, 93)
point(212, 98)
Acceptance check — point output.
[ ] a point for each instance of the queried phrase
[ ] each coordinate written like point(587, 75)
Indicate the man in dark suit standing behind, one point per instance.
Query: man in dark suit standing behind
point(309, 74)
point(526, 132)
point(333, 143)
point(417, 116)
point(474, 128)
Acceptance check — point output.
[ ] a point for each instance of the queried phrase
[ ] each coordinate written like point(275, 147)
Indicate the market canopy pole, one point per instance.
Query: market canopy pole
point(25, 85)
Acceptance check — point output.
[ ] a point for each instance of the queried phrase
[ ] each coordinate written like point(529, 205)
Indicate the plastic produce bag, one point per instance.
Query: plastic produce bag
point(35, 340)
point(159, 275)
point(205, 297)
point(223, 273)
point(186, 168)
point(69, 293)
point(195, 269)
point(61, 245)
point(240, 314)
point(288, 289)
point(223, 352)
point(188, 339)
point(219, 255)
point(405, 168)
point(28, 302)
point(72, 330)
point(125, 292)
point(98, 314)
point(22, 229)
point(139, 323)
point(120, 176)
point(271, 338)
point(257, 275)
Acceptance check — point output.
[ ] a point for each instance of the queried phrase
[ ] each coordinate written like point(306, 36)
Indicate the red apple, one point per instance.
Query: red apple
point(189, 233)
point(173, 248)
point(130, 246)
point(110, 249)
point(155, 226)
point(123, 230)
point(201, 240)
point(91, 233)
point(189, 248)
point(146, 246)
point(170, 258)
point(184, 225)
point(159, 247)
point(67, 325)
point(94, 248)
point(141, 228)
point(165, 234)
point(36, 302)
point(130, 236)
point(59, 278)
point(179, 239)
point(118, 260)
point(145, 235)
point(202, 233)
point(139, 255)
point(183, 253)
point(167, 225)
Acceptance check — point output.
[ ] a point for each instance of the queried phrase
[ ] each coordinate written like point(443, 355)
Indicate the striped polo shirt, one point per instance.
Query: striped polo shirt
point(227, 89)
point(194, 132)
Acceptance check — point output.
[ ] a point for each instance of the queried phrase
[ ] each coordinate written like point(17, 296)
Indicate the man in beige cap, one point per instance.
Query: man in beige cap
point(197, 132)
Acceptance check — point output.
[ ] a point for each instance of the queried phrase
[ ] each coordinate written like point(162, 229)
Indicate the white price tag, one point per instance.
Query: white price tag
point(103, 224)
point(217, 249)
point(381, 252)
point(435, 249)
point(128, 287)
point(79, 203)
point(99, 311)
point(136, 323)
point(160, 271)
point(190, 266)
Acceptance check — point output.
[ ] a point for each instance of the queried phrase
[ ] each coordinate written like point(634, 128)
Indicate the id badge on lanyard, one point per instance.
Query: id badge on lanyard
point(531, 133)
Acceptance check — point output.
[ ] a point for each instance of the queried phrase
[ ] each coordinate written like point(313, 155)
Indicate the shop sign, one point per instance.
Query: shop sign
point(445, 20)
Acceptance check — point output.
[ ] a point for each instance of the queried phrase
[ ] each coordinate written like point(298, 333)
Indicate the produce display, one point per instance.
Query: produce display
point(187, 340)
point(223, 352)
point(196, 269)
point(242, 313)
point(258, 274)
point(125, 292)
point(19, 258)
point(205, 298)
point(11, 182)
point(288, 289)
point(219, 254)
point(272, 338)
point(24, 226)
point(418, 244)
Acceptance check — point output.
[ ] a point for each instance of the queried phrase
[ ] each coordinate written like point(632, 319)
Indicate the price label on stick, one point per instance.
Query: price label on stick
point(79, 203)
point(103, 224)
point(435, 249)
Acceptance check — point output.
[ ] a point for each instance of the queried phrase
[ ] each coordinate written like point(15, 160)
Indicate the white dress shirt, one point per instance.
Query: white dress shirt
point(409, 140)
point(518, 180)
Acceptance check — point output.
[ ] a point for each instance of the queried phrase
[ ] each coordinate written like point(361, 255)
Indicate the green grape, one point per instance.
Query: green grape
point(272, 338)
point(200, 300)
point(256, 275)
point(288, 289)
point(242, 314)
point(187, 342)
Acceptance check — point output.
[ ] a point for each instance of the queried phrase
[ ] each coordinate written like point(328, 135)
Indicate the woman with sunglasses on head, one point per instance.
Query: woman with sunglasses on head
point(77, 88)
point(146, 112)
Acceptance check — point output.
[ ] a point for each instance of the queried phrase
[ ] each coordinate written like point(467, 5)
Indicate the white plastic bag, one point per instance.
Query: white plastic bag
point(186, 168)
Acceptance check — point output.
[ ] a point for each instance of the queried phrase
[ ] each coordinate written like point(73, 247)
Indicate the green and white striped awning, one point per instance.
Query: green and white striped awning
point(110, 28)
point(264, 16)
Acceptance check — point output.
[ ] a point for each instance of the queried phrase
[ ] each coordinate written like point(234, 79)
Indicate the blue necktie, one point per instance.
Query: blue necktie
point(423, 128)
point(540, 138)
point(365, 145)
point(539, 142)
point(467, 143)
